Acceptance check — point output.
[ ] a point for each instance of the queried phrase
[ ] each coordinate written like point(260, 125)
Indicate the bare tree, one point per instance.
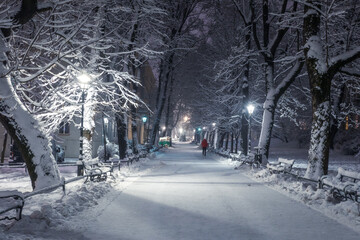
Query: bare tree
point(322, 65)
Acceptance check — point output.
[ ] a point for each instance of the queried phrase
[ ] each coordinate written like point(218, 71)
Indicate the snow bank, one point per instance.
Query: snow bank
point(347, 212)
point(48, 216)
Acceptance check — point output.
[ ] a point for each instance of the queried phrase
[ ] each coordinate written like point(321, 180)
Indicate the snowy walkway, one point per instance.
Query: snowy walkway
point(193, 198)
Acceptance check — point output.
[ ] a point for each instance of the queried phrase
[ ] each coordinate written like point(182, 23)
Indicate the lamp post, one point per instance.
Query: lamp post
point(250, 109)
point(144, 119)
point(84, 79)
point(105, 126)
point(164, 133)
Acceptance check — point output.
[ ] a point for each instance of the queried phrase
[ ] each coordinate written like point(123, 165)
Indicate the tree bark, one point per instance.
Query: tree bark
point(4, 148)
point(121, 135)
point(320, 83)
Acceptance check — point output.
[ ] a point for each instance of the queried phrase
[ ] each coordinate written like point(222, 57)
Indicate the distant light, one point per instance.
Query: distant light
point(164, 128)
point(214, 124)
point(144, 119)
point(181, 130)
point(106, 120)
point(199, 129)
point(250, 108)
point(186, 118)
point(204, 128)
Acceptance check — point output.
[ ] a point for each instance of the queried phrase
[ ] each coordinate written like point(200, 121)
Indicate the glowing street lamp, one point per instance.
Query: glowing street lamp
point(84, 80)
point(250, 109)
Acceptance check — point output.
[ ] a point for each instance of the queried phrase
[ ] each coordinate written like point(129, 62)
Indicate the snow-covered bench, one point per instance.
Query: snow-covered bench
point(130, 159)
point(235, 156)
point(249, 160)
point(96, 170)
point(345, 185)
point(282, 165)
point(11, 200)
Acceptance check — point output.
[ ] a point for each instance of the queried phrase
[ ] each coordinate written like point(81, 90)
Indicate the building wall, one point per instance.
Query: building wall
point(71, 141)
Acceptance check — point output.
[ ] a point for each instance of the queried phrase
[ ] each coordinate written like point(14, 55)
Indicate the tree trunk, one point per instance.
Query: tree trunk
point(236, 143)
point(246, 98)
point(227, 141)
point(266, 128)
point(28, 137)
point(320, 83)
point(4, 148)
point(215, 139)
point(121, 135)
point(232, 143)
point(160, 107)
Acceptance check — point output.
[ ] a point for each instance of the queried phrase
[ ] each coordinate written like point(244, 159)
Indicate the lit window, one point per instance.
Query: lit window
point(64, 128)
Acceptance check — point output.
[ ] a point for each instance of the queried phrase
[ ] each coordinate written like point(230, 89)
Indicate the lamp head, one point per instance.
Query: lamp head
point(250, 108)
point(84, 80)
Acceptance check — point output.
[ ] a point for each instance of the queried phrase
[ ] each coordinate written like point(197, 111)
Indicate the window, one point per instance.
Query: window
point(64, 128)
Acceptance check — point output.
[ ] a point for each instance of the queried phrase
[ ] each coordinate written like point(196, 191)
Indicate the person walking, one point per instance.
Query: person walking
point(204, 145)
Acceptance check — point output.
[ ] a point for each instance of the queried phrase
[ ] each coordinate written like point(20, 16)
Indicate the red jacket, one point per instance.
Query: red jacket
point(204, 143)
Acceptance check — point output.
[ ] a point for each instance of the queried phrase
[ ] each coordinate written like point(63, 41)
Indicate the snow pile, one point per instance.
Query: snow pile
point(47, 215)
point(347, 212)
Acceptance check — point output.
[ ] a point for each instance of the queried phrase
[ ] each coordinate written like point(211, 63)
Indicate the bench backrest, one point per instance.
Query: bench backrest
point(344, 175)
point(286, 161)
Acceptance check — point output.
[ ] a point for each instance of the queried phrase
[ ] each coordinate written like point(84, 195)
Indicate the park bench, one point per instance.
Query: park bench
point(249, 160)
point(235, 156)
point(11, 200)
point(96, 170)
point(282, 165)
point(345, 185)
point(129, 159)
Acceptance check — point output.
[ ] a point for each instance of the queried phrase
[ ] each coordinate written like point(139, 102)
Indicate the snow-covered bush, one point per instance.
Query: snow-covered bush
point(112, 149)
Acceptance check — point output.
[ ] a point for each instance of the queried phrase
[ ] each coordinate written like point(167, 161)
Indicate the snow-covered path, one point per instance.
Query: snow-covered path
point(193, 198)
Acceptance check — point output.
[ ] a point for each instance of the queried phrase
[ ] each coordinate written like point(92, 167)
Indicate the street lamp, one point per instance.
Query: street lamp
point(250, 109)
point(84, 80)
point(144, 119)
point(105, 127)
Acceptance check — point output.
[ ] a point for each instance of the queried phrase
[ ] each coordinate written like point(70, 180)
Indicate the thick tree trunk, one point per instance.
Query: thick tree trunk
point(319, 142)
point(121, 135)
point(34, 146)
point(215, 139)
point(236, 143)
point(320, 84)
point(160, 108)
point(4, 148)
point(246, 98)
point(266, 128)
point(32, 143)
point(227, 141)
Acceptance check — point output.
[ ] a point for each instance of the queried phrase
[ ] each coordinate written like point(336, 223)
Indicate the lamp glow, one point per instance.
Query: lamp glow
point(250, 108)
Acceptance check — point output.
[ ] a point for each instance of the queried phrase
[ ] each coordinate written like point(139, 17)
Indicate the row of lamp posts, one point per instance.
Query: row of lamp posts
point(250, 108)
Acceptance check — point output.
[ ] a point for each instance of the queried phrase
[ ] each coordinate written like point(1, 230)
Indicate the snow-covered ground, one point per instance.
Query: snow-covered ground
point(51, 215)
